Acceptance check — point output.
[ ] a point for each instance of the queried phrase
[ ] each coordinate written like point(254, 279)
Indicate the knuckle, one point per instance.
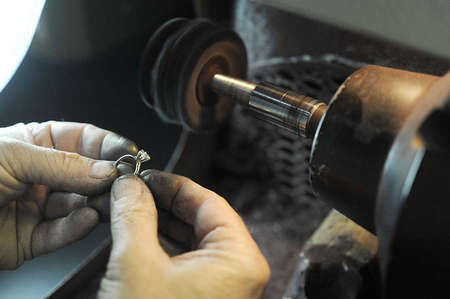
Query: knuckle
point(30, 127)
point(255, 268)
point(90, 128)
point(34, 129)
point(265, 273)
point(186, 183)
point(67, 160)
point(182, 181)
point(56, 161)
point(49, 123)
point(259, 275)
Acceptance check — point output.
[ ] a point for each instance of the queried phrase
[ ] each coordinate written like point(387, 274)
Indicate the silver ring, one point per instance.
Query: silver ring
point(140, 158)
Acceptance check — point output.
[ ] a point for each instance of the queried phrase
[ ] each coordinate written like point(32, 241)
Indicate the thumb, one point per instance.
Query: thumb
point(22, 163)
point(136, 256)
point(134, 220)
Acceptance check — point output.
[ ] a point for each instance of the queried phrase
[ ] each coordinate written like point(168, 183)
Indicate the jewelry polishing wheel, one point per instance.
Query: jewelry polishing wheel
point(177, 67)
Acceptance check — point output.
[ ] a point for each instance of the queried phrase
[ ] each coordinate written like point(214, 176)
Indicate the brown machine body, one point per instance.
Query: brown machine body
point(381, 156)
point(354, 138)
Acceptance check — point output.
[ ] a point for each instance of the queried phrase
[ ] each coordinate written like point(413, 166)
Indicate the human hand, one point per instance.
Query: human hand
point(46, 172)
point(226, 263)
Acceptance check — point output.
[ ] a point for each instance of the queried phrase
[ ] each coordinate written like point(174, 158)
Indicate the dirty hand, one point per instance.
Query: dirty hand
point(46, 170)
point(226, 263)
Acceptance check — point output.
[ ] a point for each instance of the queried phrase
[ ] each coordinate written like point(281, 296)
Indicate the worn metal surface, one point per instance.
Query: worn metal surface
point(330, 264)
point(281, 107)
point(412, 202)
point(356, 134)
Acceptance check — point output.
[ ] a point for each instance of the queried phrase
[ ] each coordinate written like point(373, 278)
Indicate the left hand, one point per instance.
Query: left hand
point(46, 170)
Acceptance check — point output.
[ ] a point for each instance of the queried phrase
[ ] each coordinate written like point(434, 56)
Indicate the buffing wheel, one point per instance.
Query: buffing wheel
point(177, 67)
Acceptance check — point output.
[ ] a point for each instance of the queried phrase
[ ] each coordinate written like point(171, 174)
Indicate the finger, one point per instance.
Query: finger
point(25, 164)
point(51, 235)
point(213, 219)
point(60, 204)
point(174, 228)
point(102, 205)
point(88, 140)
point(134, 218)
point(85, 139)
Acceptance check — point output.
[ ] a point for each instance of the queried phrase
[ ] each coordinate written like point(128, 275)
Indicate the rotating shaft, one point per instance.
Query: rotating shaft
point(294, 112)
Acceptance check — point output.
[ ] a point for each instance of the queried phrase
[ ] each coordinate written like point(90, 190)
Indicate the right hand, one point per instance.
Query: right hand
point(226, 264)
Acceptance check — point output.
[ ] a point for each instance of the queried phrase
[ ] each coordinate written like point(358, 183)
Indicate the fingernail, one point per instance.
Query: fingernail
point(115, 146)
point(126, 186)
point(102, 170)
